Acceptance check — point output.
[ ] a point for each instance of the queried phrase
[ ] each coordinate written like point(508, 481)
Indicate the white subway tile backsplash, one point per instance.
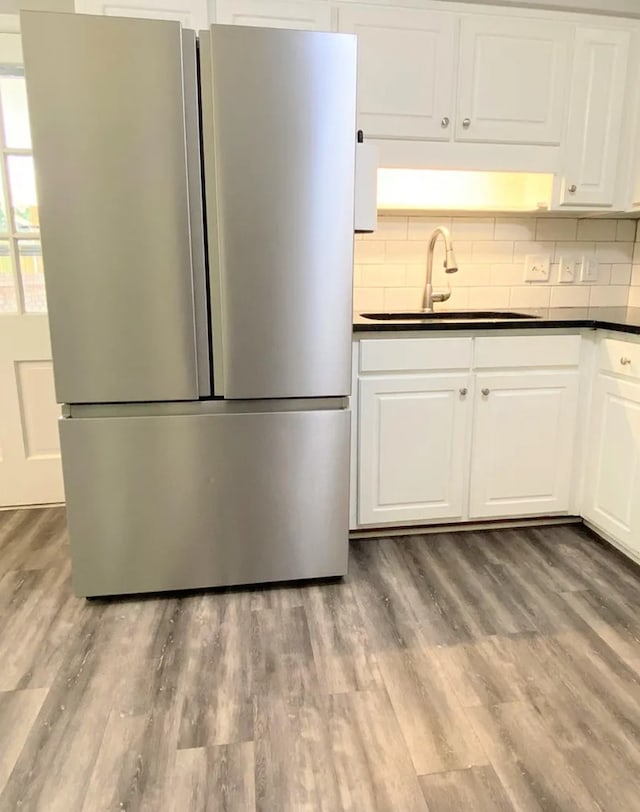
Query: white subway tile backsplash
point(367, 251)
point(530, 296)
point(488, 297)
point(492, 251)
point(634, 297)
point(626, 230)
point(614, 251)
point(514, 228)
point(597, 229)
point(559, 228)
point(389, 271)
point(522, 248)
point(382, 276)
point(570, 296)
point(401, 298)
point(421, 228)
point(609, 296)
point(368, 299)
point(621, 274)
point(389, 228)
point(472, 228)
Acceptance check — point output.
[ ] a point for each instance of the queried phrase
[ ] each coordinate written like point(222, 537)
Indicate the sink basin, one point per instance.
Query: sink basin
point(450, 315)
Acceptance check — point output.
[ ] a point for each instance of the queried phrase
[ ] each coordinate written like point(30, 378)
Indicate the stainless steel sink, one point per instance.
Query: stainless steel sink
point(450, 315)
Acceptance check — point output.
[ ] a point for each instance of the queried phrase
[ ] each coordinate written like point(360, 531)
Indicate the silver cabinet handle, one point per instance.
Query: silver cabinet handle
point(464, 391)
point(466, 123)
point(625, 361)
point(486, 392)
point(573, 188)
point(445, 121)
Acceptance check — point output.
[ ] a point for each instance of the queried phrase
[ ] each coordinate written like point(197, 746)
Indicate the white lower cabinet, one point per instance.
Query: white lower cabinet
point(612, 484)
point(413, 441)
point(523, 443)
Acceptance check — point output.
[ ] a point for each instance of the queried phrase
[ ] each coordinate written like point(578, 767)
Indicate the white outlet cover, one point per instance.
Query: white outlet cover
point(537, 268)
point(589, 269)
point(567, 270)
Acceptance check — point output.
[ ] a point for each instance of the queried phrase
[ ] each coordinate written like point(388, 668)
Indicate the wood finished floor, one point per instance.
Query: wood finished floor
point(459, 672)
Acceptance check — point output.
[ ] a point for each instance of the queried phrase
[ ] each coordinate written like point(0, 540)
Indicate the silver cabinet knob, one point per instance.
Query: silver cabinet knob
point(625, 361)
point(486, 392)
point(573, 188)
point(464, 391)
point(466, 123)
point(445, 121)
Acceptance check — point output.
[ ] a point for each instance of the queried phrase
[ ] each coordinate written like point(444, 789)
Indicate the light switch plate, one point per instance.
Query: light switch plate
point(537, 268)
point(589, 269)
point(567, 270)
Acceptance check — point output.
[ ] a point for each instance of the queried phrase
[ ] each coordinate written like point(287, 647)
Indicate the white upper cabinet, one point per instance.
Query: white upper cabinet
point(592, 143)
point(191, 13)
point(406, 68)
point(523, 443)
point(305, 16)
point(512, 81)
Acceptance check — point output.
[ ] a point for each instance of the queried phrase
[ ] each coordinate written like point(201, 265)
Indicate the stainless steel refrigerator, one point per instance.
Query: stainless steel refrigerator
point(196, 207)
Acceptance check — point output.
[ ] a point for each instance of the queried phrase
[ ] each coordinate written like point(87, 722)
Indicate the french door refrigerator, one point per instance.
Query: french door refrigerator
point(196, 207)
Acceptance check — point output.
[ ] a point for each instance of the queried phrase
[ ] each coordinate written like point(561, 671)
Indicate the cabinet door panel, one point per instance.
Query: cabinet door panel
point(405, 71)
point(595, 118)
point(412, 447)
point(612, 492)
point(522, 451)
point(310, 16)
point(512, 80)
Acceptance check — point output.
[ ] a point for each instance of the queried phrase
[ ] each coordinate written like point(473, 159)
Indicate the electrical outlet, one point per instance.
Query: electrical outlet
point(567, 271)
point(589, 269)
point(536, 268)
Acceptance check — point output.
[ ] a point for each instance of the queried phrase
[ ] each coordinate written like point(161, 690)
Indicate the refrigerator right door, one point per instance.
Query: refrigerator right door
point(278, 113)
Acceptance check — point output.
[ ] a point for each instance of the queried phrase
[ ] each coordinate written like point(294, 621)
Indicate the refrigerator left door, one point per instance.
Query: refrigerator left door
point(114, 119)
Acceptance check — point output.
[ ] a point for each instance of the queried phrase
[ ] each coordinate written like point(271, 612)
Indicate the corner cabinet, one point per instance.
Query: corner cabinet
point(413, 447)
point(612, 482)
point(591, 153)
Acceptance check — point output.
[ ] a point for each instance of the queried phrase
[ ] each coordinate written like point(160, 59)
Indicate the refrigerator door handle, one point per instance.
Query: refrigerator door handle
point(196, 213)
point(213, 232)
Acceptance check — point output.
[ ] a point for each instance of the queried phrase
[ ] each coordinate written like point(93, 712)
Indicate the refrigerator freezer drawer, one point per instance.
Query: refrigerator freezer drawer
point(191, 501)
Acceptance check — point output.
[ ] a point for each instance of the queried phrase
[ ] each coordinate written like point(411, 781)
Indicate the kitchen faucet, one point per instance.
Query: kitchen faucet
point(450, 266)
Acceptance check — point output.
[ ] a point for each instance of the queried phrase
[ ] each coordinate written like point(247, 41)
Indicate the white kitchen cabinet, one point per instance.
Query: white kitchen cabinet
point(523, 443)
point(512, 80)
point(191, 13)
point(413, 432)
point(406, 69)
point(612, 483)
point(306, 15)
point(591, 149)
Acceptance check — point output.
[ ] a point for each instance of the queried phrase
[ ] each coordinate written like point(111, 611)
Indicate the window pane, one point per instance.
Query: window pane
point(22, 190)
point(15, 114)
point(4, 225)
point(32, 276)
point(8, 301)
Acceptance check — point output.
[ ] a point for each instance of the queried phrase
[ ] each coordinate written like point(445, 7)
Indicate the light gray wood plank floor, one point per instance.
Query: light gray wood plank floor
point(495, 670)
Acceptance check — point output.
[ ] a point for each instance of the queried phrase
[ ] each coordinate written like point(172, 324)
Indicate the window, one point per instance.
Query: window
point(21, 268)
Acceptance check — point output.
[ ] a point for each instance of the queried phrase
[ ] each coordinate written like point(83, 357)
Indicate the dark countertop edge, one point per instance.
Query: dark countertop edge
point(624, 324)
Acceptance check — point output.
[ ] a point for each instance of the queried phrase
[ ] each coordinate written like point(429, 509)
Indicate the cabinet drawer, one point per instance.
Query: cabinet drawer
point(620, 357)
point(527, 351)
point(424, 354)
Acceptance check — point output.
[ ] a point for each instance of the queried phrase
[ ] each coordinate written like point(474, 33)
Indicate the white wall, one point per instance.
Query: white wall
point(15, 6)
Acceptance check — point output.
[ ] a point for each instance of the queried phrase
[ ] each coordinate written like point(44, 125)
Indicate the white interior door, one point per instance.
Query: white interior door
point(30, 469)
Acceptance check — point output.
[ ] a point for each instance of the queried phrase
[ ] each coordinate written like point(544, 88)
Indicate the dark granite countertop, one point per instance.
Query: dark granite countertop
point(622, 319)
